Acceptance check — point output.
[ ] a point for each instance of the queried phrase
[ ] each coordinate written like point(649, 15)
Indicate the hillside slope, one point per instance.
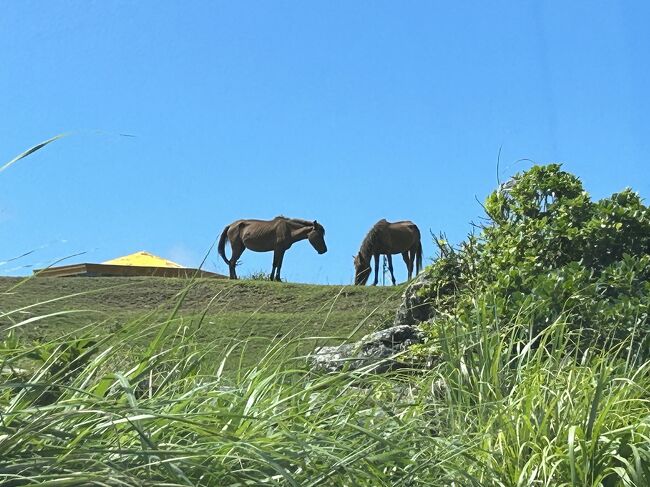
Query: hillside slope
point(222, 311)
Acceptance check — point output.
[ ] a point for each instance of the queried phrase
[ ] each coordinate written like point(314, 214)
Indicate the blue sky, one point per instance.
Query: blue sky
point(345, 112)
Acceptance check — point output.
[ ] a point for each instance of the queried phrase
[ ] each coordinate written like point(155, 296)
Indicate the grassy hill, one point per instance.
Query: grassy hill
point(219, 312)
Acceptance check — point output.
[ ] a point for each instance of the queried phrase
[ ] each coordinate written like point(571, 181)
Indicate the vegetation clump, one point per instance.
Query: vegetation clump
point(540, 330)
point(548, 251)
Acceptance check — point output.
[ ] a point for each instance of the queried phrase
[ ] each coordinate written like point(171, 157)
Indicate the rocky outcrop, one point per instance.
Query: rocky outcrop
point(413, 308)
point(377, 348)
point(380, 348)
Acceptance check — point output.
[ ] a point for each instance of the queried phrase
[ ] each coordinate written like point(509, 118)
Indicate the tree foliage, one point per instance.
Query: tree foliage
point(550, 250)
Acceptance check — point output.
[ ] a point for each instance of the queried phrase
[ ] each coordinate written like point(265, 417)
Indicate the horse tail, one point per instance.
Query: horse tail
point(221, 248)
point(418, 258)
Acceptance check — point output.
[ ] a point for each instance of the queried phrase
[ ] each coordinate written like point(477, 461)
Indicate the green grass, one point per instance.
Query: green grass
point(536, 410)
point(499, 407)
point(223, 311)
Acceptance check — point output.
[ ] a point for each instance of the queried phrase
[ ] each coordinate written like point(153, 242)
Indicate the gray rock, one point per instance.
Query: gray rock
point(377, 348)
point(413, 309)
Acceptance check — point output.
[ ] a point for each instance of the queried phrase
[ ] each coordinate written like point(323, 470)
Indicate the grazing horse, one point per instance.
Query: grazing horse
point(388, 238)
point(265, 235)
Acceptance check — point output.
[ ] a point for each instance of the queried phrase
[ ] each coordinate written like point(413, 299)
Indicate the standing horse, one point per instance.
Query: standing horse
point(388, 239)
point(265, 235)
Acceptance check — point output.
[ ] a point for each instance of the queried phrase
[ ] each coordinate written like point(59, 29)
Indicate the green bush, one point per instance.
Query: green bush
point(549, 249)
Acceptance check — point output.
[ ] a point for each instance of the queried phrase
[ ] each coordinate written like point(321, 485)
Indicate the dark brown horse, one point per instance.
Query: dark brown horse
point(388, 239)
point(265, 235)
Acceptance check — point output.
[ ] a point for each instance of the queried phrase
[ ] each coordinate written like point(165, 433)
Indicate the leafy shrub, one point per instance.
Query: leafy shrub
point(548, 248)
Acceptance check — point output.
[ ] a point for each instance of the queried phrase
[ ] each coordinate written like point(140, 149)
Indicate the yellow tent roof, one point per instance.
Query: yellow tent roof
point(143, 259)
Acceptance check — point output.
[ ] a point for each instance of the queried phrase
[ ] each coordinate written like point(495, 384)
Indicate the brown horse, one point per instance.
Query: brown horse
point(265, 235)
point(388, 239)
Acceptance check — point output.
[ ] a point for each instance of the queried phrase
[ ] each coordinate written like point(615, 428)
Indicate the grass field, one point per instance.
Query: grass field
point(219, 311)
point(195, 383)
point(146, 406)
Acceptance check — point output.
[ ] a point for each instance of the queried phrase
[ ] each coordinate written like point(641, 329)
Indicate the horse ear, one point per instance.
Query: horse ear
point(315, 223)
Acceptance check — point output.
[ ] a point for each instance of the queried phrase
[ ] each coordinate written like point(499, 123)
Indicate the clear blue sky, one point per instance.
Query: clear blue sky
point(346, 112)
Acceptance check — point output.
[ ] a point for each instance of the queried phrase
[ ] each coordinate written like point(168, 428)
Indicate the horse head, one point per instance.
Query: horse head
point(361, 269)
point(316, 238)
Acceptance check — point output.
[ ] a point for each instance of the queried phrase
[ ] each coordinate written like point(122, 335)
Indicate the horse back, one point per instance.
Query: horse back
point(402, 236)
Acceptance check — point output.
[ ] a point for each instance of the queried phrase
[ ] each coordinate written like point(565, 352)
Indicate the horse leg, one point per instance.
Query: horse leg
point(275, 259)
point(412, 255)
point(237, 249)
point(409, 263)
point(390, 268)
point(376, 269)
point(278, 256)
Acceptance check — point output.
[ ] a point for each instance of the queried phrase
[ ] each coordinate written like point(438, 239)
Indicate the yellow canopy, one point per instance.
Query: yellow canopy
point(143, 259)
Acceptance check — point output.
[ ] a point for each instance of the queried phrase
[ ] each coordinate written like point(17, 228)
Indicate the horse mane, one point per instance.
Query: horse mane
point(301, 221)
point(306, 223)
point(370, 240)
